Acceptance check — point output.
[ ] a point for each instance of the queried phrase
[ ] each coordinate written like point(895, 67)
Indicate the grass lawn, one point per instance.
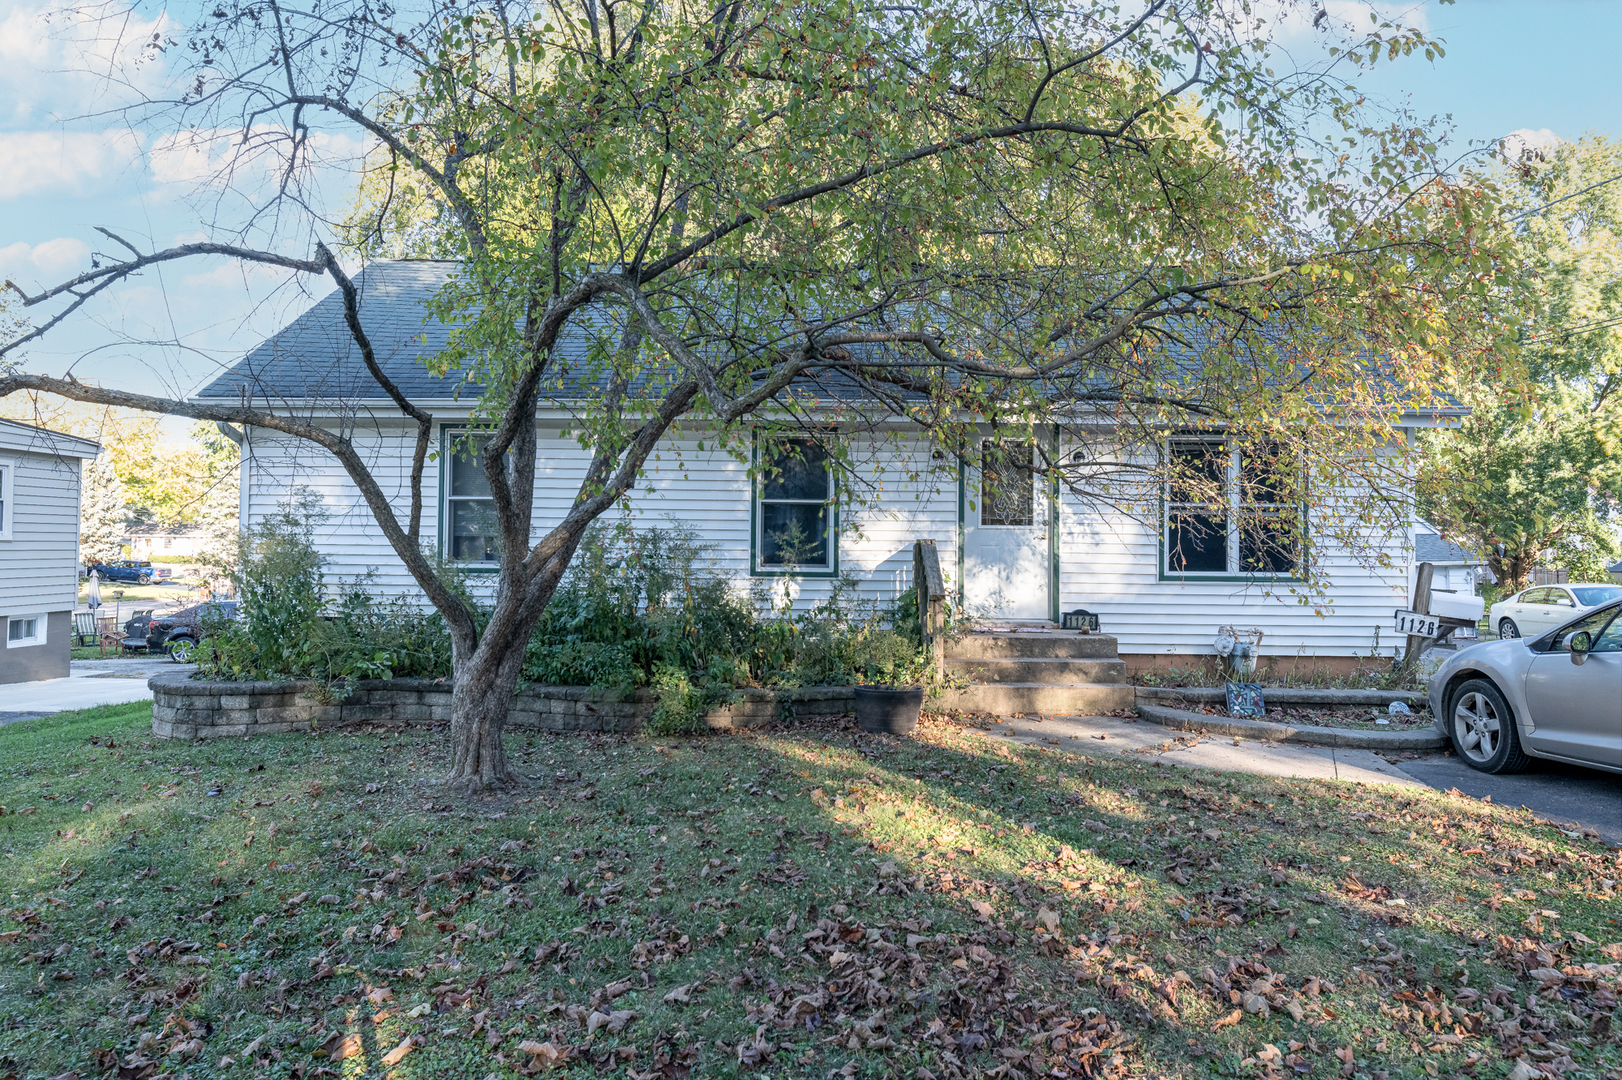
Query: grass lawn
point(137, 596)
point(805, 902)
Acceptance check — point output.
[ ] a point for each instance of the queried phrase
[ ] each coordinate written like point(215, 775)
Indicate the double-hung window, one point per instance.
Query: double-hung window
point(1231, 510)
point(470, 533)
point(794, 507)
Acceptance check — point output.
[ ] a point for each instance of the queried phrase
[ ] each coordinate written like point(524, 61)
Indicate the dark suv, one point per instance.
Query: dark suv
point(178, 632)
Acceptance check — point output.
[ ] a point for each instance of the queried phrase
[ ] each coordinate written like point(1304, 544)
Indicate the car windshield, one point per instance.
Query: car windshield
point(1590, 595)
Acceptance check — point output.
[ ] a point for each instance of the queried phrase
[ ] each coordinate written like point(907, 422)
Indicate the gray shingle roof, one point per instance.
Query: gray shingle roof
point(315, 358)
point(1428, 547)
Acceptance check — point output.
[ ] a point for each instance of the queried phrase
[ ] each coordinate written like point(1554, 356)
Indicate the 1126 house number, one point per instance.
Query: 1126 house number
point(1412, 622)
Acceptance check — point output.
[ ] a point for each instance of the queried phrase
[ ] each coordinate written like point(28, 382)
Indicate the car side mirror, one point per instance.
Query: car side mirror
point(1579, 645)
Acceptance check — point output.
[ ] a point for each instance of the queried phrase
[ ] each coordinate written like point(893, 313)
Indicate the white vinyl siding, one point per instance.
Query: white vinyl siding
point(1109, 564)
point(39, 555)
point(1109, 558)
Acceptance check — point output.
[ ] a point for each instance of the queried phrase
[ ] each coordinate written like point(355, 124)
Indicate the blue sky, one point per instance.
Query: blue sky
point(1538, 67)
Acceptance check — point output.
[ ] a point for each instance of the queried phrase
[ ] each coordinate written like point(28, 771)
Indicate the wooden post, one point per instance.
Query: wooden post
point(1422, 606)
point(931, 586)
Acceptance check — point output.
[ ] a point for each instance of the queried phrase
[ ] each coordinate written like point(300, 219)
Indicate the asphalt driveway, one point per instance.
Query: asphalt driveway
point(1563, 793)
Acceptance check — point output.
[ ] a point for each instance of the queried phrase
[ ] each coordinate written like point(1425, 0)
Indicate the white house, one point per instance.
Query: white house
point(164, 542)
point(1456, 570)
point(1024, 552)
point(39, 548)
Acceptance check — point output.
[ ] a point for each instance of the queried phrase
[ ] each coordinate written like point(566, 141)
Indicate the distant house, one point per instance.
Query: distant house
point(1456, 569)
point(39, 548)
point(164, 541)
point(1616, 572)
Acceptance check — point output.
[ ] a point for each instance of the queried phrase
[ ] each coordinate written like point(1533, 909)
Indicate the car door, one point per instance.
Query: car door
point(1565, 605)
point(1523, 609)
point(1576, 709)
point(1538, 613)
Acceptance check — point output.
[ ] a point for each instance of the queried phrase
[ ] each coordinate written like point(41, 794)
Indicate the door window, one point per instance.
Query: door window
point(1007, 491)
point(1593, 624)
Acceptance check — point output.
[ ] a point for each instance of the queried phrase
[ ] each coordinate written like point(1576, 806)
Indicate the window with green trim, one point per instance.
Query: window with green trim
point(470, 532)
point(1231, 509)
point(794, 506)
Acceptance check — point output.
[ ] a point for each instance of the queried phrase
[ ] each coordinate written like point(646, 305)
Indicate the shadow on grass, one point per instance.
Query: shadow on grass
point(799, 901)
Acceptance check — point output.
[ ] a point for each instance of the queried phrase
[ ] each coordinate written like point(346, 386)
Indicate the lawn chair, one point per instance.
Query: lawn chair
point(84, 628)
point(134, 639)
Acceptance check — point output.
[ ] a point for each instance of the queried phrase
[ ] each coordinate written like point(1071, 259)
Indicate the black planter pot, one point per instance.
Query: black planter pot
point(888, 710)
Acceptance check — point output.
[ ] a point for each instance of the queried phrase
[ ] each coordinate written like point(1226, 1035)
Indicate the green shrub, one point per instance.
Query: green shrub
point(371, 637)
point(637, 609)
point(279, 593)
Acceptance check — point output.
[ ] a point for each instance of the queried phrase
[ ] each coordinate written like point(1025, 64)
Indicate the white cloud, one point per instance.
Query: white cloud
point(1339, 18)
point(34, 162)
point(216, 157)
point(64, 60)
point(51, 258)
point(1523, 140)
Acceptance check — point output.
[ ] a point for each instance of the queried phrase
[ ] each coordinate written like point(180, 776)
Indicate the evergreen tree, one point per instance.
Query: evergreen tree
point(103, 513)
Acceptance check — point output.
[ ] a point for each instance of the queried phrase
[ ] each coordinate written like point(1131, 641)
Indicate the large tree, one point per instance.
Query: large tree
point(965, 212)
point(1534, 474)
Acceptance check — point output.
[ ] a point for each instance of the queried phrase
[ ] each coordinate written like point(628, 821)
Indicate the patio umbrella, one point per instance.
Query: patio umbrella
point(93, 598)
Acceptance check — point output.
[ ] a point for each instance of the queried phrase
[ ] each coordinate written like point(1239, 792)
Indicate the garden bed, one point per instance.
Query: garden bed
point(1352, 717)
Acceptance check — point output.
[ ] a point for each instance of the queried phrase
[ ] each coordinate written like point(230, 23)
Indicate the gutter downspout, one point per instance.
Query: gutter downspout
point(245, 448)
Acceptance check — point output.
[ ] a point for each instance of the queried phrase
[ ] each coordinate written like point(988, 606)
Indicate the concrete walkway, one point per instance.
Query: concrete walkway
point(112, 681)
point(1151, 742)
point(1582, 798)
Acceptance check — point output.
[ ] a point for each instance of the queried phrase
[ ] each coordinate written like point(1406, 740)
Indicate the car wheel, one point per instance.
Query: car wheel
point(1508, 629)
point(183, 650)
point(1483, 729)
point(143, 579)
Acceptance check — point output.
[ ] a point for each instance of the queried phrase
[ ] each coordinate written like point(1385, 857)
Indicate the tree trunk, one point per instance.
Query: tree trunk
point(481, 697)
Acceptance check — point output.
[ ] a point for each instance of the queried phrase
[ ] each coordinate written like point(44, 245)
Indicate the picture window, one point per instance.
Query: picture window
point(1231, 509)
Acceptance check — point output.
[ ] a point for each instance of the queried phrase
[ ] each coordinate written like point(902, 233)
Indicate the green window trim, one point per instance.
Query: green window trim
point(448, 433)
point(1163, 573)
point(756, 569)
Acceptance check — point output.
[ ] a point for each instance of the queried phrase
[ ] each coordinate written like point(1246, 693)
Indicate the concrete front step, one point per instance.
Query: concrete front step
point(1058, 645)
point(1060, 671)
point(1006, 699)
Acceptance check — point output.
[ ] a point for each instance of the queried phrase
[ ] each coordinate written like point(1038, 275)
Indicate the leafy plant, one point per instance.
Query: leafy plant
point(278, 580)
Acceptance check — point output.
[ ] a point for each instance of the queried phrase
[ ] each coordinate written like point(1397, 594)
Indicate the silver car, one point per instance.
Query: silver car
point(1556, 696)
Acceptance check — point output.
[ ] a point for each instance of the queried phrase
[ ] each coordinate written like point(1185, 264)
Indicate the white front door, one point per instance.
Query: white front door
point(1006, 562)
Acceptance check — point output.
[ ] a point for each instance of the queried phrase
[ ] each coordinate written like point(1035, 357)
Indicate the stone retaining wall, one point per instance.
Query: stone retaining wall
point(184, 709)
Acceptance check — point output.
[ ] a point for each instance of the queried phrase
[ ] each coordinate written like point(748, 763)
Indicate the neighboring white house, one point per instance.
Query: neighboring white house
point(164, 541)
point(1456, 570)
point(1023, 552)
point(39, 548)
